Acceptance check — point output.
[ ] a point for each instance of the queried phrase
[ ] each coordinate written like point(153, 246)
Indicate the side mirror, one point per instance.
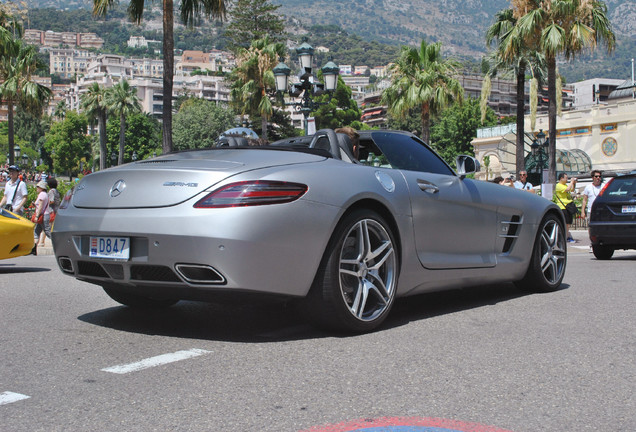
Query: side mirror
point(467, 165)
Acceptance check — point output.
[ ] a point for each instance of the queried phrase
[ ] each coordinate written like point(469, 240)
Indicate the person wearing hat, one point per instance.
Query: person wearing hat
point(15, 192)
point(41, 207)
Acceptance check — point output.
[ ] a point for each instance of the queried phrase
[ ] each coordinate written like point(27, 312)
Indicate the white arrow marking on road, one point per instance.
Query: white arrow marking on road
point(10, 397)
point(156, 361)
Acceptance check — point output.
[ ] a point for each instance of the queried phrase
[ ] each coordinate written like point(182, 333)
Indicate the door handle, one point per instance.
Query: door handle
point(427, 187)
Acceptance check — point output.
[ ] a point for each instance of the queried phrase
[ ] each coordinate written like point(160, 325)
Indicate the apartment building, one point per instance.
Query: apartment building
point(146, 67)
point(146, 76)
point(195, 60)
point(593, 91)
point(55, 39)
point(69, 62)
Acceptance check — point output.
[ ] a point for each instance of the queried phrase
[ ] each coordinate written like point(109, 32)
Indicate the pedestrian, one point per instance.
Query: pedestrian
point(563, 197)
point(41, 206)
point(590, 193)
point(523, 182)
point(54, 204)
point(15, 192)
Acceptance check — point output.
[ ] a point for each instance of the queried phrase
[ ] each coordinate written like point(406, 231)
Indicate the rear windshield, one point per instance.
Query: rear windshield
point(622, 187)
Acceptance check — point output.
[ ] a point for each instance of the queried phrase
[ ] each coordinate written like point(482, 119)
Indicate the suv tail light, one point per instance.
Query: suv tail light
point(252, 193)
point(605, 187)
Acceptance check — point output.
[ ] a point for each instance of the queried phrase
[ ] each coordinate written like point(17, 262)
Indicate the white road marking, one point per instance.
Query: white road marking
point(156, 361)
point(10, 397)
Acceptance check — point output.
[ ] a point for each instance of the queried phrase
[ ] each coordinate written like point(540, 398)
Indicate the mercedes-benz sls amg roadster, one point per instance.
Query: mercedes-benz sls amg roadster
point(302, 218)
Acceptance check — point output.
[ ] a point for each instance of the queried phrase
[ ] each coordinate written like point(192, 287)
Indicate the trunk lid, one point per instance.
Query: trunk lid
point(171, 179)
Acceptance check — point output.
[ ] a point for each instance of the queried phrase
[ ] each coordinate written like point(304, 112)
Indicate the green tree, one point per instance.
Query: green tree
point(122, 100)
point(93, 102)
point(199, 123)
point(254, 19)
point(339, 109)
point(68, 143)
point(279, 125)
point(253, 78)
point(422, 78)
point(453, 131)
point(561, 27)
point(190, 11)
point(18, 64)
point(143, 136)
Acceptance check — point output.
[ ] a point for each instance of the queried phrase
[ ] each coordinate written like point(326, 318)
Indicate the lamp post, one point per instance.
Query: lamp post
point(25, 161)
point(134, 156)
point(539, 148)
point(113, 159)
point(308, 85)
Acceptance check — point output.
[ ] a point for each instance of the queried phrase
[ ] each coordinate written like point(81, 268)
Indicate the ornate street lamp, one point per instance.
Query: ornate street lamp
point(539, 149)
point(113, 159)
point(308, 85)
point(25, 161)
point(134, 156)
point(16, 151)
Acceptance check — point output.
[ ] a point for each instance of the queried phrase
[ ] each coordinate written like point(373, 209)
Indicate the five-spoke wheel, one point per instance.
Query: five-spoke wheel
point(549, 256)
point(356, 283)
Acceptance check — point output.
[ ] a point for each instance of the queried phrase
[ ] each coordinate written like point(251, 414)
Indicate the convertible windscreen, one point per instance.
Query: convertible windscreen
point(403, 151)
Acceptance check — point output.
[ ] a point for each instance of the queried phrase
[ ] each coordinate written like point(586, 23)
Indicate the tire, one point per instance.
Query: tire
point(549, 257)
point(137, 301)
point(603, 252)
point(354, 288)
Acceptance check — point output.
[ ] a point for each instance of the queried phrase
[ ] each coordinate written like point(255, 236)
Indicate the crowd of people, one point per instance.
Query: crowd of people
point(46, 203)
point(564, 195)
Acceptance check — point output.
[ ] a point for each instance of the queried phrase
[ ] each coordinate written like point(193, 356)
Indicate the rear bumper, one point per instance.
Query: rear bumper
point(184, 253)
point(614, 234)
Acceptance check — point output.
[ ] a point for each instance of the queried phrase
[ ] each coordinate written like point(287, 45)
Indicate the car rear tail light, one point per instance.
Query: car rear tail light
point(605, 187)
point(252, 193)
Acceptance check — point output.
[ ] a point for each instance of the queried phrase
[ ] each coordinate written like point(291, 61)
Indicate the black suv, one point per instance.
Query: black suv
point(613, 217)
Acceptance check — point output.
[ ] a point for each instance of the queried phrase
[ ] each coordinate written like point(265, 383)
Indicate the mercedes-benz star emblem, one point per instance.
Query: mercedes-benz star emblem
point(117, 188)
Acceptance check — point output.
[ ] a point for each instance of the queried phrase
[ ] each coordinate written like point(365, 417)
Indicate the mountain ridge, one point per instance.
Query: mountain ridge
point(459, 24)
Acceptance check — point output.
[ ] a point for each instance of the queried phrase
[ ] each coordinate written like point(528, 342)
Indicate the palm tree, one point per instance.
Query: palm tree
point(94, 103)
point(422, 78)
point(122, 100)
point(561, 27)
point(512, 55)
point(189, 10)
point(18, 64)
point(60, 110)
point(253, 76)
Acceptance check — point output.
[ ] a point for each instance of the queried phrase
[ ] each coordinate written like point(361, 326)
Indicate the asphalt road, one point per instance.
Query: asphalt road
point(74, 360)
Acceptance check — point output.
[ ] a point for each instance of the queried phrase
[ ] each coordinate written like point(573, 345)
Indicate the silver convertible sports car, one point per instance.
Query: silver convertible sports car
point(302, 218)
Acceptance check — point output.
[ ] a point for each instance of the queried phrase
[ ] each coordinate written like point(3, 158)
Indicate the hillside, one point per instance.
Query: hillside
point(459, 24)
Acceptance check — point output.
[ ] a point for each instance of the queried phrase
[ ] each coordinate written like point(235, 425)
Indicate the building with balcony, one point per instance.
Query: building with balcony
point(55, 39)
point(69, 62)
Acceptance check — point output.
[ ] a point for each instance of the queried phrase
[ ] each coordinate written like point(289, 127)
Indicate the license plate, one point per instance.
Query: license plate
point(110, 247)
point(629, 209)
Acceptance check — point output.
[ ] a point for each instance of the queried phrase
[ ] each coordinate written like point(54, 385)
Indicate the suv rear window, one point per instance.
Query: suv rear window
point(621, 187)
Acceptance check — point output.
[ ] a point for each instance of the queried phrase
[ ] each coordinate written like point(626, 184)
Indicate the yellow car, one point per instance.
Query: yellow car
point(16, 235)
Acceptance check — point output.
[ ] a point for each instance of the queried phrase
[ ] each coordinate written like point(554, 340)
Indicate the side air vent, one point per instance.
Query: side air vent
point(512, 232)
point(153, 273)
